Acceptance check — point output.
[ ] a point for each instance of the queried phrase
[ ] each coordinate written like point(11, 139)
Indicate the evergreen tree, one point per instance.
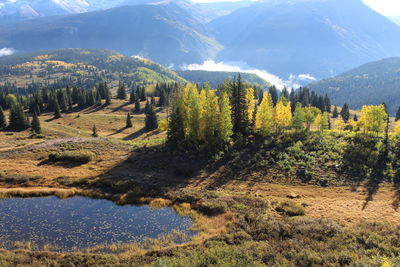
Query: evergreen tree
point(35, 125)
point(355, 118)
point(121, 92)
point(138, 108)
point(57, 113)
point(345, 113)
point(128, 121)
point(398, 114)
point(132, 97)
point(151, 121)
point(153, 101)
point(18, 120)
point(274, 95)
point(108, 97)
point(3, 121)
point(176, 131)
point(327, 104)
point(94, 131)
point(239, 107)
point(335, 113)
point(163, 101)
point(143, 95)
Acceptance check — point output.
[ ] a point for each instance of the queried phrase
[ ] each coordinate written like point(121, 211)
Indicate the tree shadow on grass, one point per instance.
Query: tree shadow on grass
point(95, 108)
point(120, 107)
point(396, 201)
point(140, 133)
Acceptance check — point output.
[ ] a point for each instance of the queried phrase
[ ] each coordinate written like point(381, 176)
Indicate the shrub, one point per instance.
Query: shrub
point(81, 156)
point(212, 208)
point(290, 208)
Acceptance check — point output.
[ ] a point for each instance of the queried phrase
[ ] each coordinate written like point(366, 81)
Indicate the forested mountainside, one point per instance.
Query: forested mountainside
point(370, 84)
point(59, 68)
point(165, 33)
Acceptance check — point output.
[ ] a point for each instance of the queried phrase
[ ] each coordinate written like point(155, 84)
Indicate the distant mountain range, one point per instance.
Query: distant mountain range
point(321, 38)
point(165, 33)
point(369, 84)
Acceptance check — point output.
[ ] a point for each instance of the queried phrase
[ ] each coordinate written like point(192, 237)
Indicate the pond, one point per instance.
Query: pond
point(81, 222)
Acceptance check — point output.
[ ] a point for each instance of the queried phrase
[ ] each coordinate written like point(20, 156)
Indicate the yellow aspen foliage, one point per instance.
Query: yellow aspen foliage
point(194, 114)
point(318, 121)
point(397, 128)
point(163, 125)
point(310, 114)
point(265, 115)
point(340, 124)
point(251, 104)
point(203, 114)
point(225, 118)
point(282, 115)
point(211, 114)
point(386, 263)
point(373, 118)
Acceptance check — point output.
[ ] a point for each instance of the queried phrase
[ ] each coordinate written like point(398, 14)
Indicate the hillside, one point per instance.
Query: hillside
point(216, 78)
point(315, 37)
point(80, 65)
point(163, 32)
point(372, 83)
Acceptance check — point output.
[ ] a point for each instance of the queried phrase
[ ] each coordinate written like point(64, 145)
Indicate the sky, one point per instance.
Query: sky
point(385, 7)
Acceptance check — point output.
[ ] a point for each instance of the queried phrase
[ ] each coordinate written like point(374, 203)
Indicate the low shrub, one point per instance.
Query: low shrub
point(290, 208)
point(212, 208)
point(81, 156)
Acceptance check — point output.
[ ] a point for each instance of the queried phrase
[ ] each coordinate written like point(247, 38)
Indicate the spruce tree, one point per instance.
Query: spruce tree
point(35, 125)
point(108, 98)
point(327, 104)
point(163, 101)
point(132, 97)
point(151, 120)
point(3, 121)
point(57, 113)
point(176, 131)
point(18, 120)
point(239, 108)
point(128, 121)
point(121, 93)
point(94, 131)
point(153, 101)
point(138, 108)
point(274, 95)
point(345, 113)
point(355, 118)
point(398, 114)
point(335, 112)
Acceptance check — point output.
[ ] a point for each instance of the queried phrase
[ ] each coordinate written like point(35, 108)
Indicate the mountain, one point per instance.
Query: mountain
point(216, 78)
point(369, 84)
point(78, 66)
point(26, 9)
point(317, 37)
point(163, 32)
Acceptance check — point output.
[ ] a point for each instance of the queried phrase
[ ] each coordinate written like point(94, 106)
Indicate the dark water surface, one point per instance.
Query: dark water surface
point(83, 222)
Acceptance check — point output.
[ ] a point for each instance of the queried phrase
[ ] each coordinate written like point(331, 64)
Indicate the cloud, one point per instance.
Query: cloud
point(294, 81)
point(6, 51)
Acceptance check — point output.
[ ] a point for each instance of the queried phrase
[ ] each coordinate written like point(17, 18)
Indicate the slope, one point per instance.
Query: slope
point(165, 33)
point(318, 37)
point(369, 84)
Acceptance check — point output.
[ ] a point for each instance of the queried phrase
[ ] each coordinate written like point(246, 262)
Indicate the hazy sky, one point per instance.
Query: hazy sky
point(386, 7)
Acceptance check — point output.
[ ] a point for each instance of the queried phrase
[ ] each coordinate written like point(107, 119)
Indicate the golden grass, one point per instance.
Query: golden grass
point(40, 192)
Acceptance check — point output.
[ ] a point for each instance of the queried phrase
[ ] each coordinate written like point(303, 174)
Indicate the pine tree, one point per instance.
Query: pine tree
point(128, 121)
point(3, 121)
point(274, 95)
point(345, 113)
point(153, 101)
point(137, 106)
point(163, 101)
point(151, 121)
point(355, 118)
point(132, 97)
point(121, 92)
point(335, 113)
point(398, 114)
point(176, 131)
point(327, 104)
point(18, 120)
point(239, 107)
point(57, 113)
point(94, 131)
point(35, 125)
point(108, 98)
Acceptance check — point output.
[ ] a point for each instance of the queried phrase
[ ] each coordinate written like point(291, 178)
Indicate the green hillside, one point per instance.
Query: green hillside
point(369, 84)
point(80, 66)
